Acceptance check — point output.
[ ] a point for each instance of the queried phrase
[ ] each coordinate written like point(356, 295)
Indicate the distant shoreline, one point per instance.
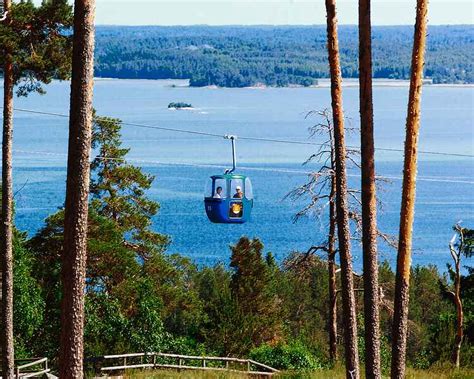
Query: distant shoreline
point(322, 83)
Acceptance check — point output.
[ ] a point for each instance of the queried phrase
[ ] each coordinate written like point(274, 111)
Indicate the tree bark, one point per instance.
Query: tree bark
point(402, 281)
point(342, 213)
point(332, 319)
point(456, 356)
point(369, 201)
point(8, 356)
point(77, 192)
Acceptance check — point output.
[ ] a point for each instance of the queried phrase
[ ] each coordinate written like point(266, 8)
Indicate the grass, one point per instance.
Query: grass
point(441, 373)
point(168, 374)
point(337, 373)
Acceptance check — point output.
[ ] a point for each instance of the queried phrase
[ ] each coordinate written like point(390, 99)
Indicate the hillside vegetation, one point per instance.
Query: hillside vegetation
point(274, 56)
point(140, 298)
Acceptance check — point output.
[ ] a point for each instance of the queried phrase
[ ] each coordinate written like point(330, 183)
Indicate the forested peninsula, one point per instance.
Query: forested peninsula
point(235, 56)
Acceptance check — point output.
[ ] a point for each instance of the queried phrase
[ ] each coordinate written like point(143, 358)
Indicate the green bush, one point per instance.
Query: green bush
point(186, 346)
point(287, 357)
point(29, 305)
point(422, 360)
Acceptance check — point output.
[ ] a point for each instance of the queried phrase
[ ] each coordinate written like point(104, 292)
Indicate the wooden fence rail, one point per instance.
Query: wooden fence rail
point(121, 362)
point(31, 368)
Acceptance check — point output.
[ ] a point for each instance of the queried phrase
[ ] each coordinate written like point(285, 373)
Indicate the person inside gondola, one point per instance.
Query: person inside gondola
point(218, 194)
point(238, 194)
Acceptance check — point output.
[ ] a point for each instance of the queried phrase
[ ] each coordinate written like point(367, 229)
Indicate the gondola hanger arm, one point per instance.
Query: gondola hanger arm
point(234, 155)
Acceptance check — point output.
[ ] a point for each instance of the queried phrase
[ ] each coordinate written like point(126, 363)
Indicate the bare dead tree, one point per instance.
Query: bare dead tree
point(320, 190)
point(402, 281)
point(456, 294)
point(342, 209)
point(462, 244)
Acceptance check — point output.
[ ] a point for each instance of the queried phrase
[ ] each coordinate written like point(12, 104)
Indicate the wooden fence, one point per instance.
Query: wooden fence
point(31, 368)
point(122, 362)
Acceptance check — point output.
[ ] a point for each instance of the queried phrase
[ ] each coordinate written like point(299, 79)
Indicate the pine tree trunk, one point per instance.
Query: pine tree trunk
point(332, 319)
point(8, 356)
point(77, 192)
point(456, 357)
point(402, 281)
point(369, 202)
point(342, 214)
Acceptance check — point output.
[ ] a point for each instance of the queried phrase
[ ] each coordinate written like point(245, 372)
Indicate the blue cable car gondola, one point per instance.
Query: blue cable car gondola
point(229, 197)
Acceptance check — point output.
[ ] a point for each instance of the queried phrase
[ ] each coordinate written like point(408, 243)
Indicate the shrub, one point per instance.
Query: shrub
point(186, 346)
point(287, 357)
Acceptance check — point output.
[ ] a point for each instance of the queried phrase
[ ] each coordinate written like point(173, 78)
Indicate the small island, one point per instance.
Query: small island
point(180, 105)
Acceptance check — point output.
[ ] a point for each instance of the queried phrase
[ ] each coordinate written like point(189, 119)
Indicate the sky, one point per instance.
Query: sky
point(273, 12)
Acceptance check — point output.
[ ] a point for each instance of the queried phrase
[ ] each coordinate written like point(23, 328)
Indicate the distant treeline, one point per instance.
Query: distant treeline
point(275, 56)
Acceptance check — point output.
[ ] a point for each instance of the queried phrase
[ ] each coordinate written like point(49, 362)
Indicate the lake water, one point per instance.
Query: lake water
point(182, 162)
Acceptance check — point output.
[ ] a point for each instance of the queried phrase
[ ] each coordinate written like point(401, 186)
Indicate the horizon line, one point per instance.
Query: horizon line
point(270, 25)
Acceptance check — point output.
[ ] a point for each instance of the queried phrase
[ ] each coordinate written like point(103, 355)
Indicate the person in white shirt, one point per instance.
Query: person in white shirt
point(218, 194)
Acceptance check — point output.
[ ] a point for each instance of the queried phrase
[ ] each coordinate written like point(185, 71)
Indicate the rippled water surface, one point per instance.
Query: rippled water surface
point(445, 192)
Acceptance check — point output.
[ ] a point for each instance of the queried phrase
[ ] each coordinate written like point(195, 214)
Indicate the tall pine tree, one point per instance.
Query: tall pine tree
point(35, 49)
point(77, 192)
point(119, 190)
point(407, 212)
point(369, 200)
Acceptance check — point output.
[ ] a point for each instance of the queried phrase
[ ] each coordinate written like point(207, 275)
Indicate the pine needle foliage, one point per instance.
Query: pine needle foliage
point(119, 188)
point(40, 42)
